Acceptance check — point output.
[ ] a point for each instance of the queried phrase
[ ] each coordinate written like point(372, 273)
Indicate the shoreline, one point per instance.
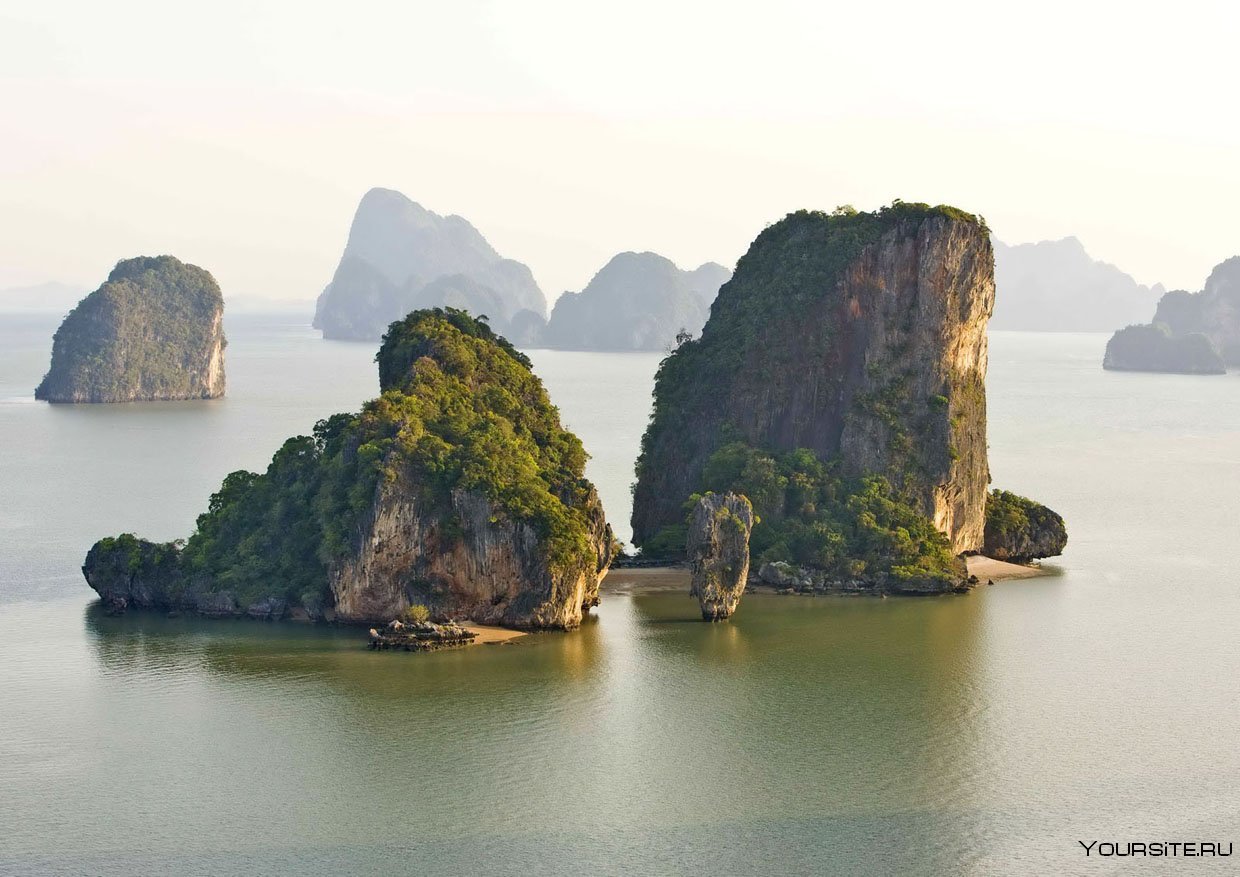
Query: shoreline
point(675, 579)
point(987, 568)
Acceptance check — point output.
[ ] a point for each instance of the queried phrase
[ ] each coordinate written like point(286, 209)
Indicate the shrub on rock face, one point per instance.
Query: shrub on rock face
point(809, 515)
point(1020, 530)
point(417, 614)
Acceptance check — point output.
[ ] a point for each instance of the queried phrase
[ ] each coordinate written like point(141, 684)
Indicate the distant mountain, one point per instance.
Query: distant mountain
point(638, 301)
point(401, 256)
point(52, 296)
point(1191, 333)
point(1054, 286)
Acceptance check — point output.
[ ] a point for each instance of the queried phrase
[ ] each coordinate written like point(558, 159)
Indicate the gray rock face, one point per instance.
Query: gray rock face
point(401, 256)
point(637, 301)
point(718, 552)
point(152, 332)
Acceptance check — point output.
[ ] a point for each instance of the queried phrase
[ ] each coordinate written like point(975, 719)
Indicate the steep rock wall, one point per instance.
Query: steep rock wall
point(862, 340)
point(468, 561)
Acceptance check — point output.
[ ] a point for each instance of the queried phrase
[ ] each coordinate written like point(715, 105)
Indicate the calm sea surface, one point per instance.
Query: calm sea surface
point(983, 734)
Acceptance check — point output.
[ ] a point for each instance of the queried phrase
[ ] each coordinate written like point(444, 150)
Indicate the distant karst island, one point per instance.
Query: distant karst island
point(637, 301)
point(457, 490)
point(1056, 286)
point(152, 332)
point(402, 257)
point(1191, 333)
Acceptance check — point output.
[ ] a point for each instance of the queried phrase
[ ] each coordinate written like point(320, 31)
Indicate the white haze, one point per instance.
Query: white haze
point(240, 135)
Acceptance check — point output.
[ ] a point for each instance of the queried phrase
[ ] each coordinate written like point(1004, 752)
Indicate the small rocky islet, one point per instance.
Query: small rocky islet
point(830, 421)
point(152, 332)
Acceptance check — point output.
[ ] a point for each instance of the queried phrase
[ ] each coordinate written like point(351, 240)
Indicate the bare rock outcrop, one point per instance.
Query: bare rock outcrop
point(718, 552)
point(468, 561)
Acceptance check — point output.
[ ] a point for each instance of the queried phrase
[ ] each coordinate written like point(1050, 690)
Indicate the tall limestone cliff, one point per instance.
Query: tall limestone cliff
point(401, 257)
point(152, 332)
point(1191, 333)
point(457, 488)
point(842, 369)
point(637, 301)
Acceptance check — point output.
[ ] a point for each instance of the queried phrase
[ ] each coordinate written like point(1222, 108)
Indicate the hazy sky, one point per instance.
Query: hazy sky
point(240, 135)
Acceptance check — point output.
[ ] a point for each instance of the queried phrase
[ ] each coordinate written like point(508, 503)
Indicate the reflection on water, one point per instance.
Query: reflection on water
point(820, 720)
point(646, 737)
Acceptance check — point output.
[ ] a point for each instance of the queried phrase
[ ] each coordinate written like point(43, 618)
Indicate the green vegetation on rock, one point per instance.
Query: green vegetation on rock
point(808, 514)
point(1019, 529)
point(151, 332)
point(460, 410)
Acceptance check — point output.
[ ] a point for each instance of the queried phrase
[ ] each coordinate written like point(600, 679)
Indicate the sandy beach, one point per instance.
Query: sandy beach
point(989, 569)
point(488, 634)
point(658, 579)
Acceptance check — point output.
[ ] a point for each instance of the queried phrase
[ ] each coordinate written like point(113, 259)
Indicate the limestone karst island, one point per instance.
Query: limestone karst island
point(152, 332)
point(457, 489)
point(401, 257)
point(839, 385)
point(659, 438)
point(830, 420)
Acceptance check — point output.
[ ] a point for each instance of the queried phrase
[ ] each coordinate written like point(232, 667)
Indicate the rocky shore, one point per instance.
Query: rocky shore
point(677, 578)
point(420, 637)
